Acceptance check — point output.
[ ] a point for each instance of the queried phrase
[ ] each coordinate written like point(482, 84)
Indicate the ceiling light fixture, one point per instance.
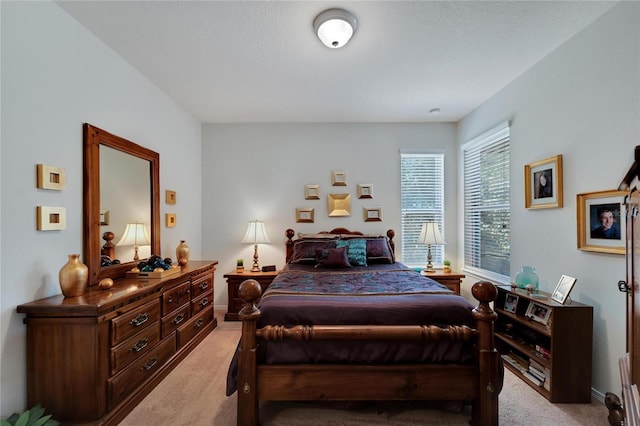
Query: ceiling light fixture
point(434, 111)
point(335, 27)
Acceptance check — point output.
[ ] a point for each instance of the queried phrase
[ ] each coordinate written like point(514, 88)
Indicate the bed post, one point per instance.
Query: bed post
point(249, 291)
point(289, 233)
point(485, 407)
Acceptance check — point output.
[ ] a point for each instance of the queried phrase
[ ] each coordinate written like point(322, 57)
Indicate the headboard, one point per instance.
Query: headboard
point(290, 234)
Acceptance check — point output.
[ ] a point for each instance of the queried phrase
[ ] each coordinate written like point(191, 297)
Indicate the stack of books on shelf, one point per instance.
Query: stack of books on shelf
point(543, 352)
point(533, 371)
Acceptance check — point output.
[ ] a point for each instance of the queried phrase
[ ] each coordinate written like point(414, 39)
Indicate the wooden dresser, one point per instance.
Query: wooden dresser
point(91, 359)
point(450, 279)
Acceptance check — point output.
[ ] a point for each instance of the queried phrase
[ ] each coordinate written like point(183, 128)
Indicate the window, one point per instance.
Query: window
point(486, 204)
point(422, 200)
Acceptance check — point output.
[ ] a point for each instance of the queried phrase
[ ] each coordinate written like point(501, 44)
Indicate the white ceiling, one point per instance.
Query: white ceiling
point(259, 61)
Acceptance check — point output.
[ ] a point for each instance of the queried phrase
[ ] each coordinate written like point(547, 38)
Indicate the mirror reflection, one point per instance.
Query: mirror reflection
point(125, 200)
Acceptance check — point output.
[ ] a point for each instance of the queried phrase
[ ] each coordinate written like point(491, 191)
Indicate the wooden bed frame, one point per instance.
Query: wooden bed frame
point(479, 382)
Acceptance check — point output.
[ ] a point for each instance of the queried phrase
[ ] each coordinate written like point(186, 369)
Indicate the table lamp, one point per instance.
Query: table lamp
point(135, 234)
point(256, 234)
point(430, 235)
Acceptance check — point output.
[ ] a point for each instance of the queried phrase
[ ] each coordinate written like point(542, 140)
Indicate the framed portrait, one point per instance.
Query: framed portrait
point(538, 312)
point(304, 214)
point(372, 214)
point(511, 303)
point(339, 204)
point(365, 190)
point(563, 288)
point(338, 178)
point(601, 224)
point(543, 183)
point(312, 192)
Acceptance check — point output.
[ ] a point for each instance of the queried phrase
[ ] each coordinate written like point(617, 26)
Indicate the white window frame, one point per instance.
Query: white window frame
point(499, 136)
point(410, 228)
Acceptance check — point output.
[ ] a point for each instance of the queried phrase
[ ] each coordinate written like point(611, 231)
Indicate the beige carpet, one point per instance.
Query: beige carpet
point(194, 394)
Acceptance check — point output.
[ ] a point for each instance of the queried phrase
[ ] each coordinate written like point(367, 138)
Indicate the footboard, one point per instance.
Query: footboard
point(478, 382)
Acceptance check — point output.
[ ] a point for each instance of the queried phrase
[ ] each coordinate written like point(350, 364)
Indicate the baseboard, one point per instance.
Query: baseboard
point(597, 395)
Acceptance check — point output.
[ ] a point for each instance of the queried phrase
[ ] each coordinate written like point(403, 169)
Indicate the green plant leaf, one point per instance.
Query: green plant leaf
point(5, 422)
point(35, 413)
point(42, 421)
point(23, 419)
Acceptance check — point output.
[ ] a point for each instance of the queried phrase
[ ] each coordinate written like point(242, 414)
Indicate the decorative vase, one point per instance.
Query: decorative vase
point(73, 277)
point(182, 253)
point(527, 276)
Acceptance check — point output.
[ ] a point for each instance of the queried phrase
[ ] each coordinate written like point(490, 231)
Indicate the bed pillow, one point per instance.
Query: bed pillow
point(356, 250)
point(378, 248)
point(332, 258)
point(304, 250)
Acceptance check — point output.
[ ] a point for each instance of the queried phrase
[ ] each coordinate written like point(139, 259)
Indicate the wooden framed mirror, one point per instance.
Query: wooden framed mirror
point(96, 141)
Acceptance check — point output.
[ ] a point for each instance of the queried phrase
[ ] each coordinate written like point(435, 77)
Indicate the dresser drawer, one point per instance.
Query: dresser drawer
point(126, 325)
point(134, 347)
point(201, 284)
point(193, 327)
point(176, 297)
point(122, 385)
point(175, 319)
point(202, 302)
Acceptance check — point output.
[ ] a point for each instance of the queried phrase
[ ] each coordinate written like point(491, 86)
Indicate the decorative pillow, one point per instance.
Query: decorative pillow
point(333, 258)
point(304, 250)
point(356, 250)
point(378, 248)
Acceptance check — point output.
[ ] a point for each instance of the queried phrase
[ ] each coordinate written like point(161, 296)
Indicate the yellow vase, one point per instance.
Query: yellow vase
point(182, 253)
point(73, 277)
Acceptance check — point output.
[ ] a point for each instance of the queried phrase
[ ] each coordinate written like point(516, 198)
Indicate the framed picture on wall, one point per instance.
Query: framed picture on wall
point(601, 225)
point(543, 183)
point(304, 214)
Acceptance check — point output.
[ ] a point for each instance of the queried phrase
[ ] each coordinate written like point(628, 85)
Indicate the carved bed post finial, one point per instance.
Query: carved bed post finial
point(289, 233)
point(249, 291)
point(488, 356)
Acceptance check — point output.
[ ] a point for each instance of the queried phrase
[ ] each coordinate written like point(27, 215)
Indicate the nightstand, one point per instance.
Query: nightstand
point(450, 279)
point(234, 279)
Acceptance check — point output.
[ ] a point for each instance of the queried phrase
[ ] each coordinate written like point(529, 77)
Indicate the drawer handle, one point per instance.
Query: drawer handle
point(204, 302)
point(204, 286)
point(170, 299)
point(199, 323)
point(140, 345)
point(178, 319)
point(149, 364)
point(139, 320)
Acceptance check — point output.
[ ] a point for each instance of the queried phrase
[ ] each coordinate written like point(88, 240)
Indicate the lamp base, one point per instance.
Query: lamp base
point(256, 267)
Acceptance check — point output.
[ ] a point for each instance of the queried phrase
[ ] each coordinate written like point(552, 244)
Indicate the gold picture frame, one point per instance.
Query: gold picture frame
point(170, 196)
point(104, 217)
point(305, 214)
point(338, 178)
point(372, 214)
point(339, 205)
point(51, 218)
point(170, 220)
point(365, 190)
point(50, 177)
point(601, 225)
point(543, 183)
point(312, 192)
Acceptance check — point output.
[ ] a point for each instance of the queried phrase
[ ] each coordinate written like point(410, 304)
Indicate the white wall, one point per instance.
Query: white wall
point(582, 101)
point(55, 76)
point(259, 171)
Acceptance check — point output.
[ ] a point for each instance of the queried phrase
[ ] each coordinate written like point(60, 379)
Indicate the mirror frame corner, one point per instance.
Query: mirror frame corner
point(93, 137)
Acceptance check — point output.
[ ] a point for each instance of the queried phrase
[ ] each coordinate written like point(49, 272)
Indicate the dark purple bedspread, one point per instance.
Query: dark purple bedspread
point(373, 295)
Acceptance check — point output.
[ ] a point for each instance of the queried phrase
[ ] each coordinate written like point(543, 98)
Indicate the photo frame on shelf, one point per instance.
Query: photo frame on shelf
point(543, 183)
point(511, 302)
point(339, 204)
point(304, 214)
point(538, 312)
point(601, 224)
point(563, 288)
point(338, 178)
point(365, 190)
point(312, 192)
point(372, 214)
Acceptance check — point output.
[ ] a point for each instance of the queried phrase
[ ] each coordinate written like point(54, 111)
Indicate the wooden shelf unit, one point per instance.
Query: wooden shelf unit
point(568, 336)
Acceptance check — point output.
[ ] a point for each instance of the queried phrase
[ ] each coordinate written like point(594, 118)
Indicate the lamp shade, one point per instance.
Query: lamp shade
point(256, 233)
point(430, 234)
point(135, 234)
point(335, 27)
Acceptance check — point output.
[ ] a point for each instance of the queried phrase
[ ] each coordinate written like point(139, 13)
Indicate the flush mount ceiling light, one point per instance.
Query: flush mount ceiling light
point(335, 27)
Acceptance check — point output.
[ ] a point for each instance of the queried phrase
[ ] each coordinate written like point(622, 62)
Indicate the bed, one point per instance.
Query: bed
point(335, 325)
